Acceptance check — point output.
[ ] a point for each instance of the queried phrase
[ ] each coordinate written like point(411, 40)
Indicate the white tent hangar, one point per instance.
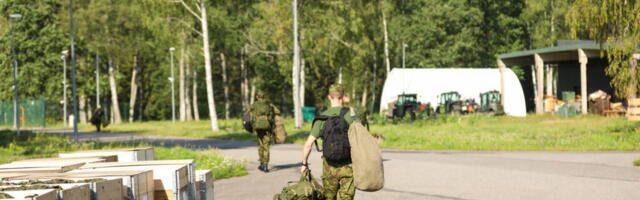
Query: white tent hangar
point(428, 84)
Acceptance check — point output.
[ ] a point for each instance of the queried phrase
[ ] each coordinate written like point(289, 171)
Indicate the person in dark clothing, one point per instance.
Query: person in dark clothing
point(97, 117)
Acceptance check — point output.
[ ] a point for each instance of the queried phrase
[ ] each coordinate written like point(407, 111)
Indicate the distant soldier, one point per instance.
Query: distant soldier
point(332, 126)
point(96, 118)
point(263, 123)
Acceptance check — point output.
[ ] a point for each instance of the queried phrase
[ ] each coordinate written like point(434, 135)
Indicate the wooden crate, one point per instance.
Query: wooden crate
point(96, 159)
point(48, 194)
point(204, 184)
point(106, 189)
point(167, 177)
point(46, 167)
point(138, 184)
point(183, 193)
point(123, 154)
point(633, 109)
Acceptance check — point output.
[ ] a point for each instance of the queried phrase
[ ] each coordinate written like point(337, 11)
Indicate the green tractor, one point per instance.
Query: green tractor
point(406, 103)
point(450, 103)
point(490, 102)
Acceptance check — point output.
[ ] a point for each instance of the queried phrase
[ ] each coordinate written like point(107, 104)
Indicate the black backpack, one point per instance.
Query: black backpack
point(246, 122)
point(335, 147)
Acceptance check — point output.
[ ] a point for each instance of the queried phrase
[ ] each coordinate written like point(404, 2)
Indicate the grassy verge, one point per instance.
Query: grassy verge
point(533, 133)
point(475, 132)
point(636, 163)
point(38, 145)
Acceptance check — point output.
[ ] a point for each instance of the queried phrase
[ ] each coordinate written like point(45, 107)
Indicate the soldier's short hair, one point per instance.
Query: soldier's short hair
point(336, 91)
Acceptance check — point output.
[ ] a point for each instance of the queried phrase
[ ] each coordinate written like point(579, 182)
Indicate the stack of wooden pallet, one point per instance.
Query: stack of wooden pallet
point(116, 174)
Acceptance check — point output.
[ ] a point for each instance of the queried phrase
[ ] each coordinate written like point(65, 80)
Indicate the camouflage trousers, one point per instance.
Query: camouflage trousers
point(337, 181)
point(264, 142)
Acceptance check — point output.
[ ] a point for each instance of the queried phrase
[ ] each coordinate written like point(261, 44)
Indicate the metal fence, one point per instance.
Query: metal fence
point(31, 113)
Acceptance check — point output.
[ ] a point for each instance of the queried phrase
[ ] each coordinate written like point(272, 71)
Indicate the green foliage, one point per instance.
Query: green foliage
point(615, 25)
point(39, 41)
point(636, 163)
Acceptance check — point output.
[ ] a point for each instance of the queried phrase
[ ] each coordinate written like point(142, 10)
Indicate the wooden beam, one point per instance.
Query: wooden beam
point(501, 67)
point(583, 59)
point(539, 83)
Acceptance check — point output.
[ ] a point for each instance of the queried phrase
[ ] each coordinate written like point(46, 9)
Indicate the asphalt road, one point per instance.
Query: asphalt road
point(448, 175)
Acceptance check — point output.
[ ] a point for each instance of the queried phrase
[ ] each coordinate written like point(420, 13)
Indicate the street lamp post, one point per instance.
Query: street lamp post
point(64, 86)
point(72, 36)
point(173, 96)
point(16, 119)
point(97, 81)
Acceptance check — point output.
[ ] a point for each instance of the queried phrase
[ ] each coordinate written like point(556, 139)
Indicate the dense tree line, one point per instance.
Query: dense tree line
point(251, 47)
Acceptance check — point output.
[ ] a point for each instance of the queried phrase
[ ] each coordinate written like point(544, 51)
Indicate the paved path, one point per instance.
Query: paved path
point(450, 175)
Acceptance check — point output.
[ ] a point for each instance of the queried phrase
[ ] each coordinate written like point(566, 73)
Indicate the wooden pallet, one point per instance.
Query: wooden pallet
point(123, 154)
point(204, 184)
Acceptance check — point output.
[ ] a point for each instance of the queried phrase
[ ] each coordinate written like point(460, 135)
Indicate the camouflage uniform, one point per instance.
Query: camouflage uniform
point(264, 143)
point(337, 178)
point(264, 136)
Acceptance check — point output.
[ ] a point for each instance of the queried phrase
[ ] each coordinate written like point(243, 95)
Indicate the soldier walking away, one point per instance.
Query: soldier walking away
point(332, 126)
point(263, 122)
point(96, 118)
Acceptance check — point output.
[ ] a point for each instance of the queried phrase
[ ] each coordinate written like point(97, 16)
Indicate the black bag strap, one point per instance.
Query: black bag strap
point(317, 147)
point(344, 111)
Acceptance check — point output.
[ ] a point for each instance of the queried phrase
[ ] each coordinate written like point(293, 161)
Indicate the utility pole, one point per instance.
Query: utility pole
point(16, 119)
point(73, 72)
point(64, 87)
point(173, 96)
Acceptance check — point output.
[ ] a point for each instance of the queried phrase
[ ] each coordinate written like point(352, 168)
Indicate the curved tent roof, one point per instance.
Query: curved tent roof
point(428, 84)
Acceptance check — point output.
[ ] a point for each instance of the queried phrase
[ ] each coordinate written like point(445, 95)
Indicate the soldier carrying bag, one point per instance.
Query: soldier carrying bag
point(368, 170)
point(305, 189)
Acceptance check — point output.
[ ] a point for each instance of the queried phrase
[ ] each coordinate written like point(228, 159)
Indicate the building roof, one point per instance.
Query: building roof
point(552, 54)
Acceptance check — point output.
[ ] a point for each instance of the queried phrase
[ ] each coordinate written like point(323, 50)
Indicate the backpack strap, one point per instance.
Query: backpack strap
point(344, 111)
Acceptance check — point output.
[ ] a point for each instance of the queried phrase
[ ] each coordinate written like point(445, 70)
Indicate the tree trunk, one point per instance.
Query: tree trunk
point(187, 97)
point(207, 66)
point(244, 83)
point(302, 82)
point(134, 89)
point(363, 103)
point(115, 107)
point(225, 85)
point(252, 98)
point(386, 43)
point(89, 109)
point(181, 86)
point(296, 69)
point(194, 94)
point(83, 113)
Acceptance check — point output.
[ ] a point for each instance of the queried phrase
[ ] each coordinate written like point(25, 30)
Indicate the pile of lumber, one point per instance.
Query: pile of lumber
point(116, 174)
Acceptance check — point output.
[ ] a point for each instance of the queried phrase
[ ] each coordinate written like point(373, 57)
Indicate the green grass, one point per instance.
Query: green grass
point(39, 145)
point(533, 133)
point(636, 163)
point(475, 132)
